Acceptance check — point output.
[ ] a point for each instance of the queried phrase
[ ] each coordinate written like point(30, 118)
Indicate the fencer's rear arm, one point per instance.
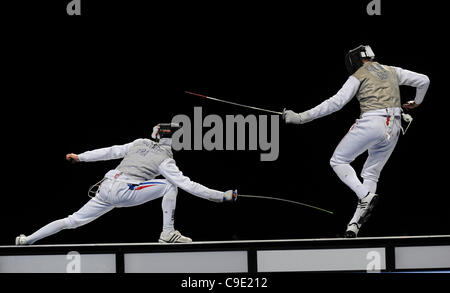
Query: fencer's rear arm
point(103, 154)
point(420, 81)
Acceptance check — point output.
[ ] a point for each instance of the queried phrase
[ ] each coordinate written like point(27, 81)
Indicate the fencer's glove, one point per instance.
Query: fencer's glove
point(230, 195)
point(407, 118)
point(410, 105)
point(290, 117)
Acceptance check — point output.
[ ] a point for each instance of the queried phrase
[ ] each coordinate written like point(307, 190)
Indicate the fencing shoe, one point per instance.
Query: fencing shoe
point(173, 237)
point(21, 240)
point(366, 204)
point(352, 230)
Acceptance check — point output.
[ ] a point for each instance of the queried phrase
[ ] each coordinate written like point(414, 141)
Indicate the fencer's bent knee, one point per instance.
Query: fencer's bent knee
point(338, 160)
point(334, 162)
point(70, 222)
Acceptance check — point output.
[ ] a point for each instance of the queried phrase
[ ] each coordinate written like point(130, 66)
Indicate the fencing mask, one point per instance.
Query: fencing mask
point(164, 130)
point(353, 59)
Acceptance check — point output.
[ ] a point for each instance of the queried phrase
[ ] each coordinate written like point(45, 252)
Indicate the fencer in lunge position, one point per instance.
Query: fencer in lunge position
point(376, 87)
point(133, 183)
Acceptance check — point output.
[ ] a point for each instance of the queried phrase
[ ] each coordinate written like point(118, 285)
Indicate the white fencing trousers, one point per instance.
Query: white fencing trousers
point(111, 194)
point(376, 134)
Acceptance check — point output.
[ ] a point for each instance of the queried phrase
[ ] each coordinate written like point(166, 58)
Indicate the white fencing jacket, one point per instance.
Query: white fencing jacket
point(351, 87)
point(143, 160)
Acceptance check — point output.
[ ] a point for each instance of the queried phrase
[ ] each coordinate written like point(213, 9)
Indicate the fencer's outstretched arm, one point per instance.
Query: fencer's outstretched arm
point(420, 81)
point(109, 153)
point(170, 171)
point(331, 105)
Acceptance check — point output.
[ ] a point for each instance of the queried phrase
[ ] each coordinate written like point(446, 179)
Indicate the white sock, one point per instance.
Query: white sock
point(49, 229)
point(370, 185)
point(168, 208)
point(348, 175)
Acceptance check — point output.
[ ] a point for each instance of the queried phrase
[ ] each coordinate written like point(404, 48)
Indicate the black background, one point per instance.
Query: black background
point(76, 83)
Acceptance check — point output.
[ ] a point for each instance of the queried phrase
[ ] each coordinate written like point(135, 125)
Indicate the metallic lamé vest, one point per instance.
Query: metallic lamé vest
point(143, 159)
point(379, 87)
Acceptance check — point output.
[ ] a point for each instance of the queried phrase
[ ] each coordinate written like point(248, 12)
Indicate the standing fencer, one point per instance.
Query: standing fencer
point(132, 183)
point(376, 87)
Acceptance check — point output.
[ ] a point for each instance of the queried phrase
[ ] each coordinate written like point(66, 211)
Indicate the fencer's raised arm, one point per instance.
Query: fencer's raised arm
point(420, 81)
point(331, 105)
point(103, 154)
point(170, 171)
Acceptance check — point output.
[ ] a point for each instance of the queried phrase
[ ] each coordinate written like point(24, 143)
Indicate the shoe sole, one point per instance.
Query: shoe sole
point(371, 206)
point(349, 234)
point(167, 242)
